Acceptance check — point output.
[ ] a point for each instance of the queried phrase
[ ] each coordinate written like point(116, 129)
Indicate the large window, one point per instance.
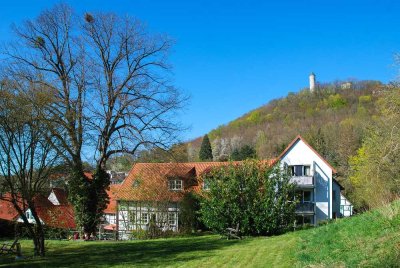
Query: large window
point(300, 170)
point(175, 185)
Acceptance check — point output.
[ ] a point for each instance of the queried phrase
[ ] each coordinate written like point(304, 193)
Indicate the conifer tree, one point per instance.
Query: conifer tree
point(205, 153)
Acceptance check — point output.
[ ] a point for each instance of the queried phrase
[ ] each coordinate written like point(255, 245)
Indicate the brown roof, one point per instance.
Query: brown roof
point(112, 205)
point(149, 181)
point(55, 216)
point(7, 210)
point(61, 216)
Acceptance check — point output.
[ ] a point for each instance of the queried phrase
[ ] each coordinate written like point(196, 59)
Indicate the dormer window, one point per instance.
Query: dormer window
point(175, 185)
point(136, 183)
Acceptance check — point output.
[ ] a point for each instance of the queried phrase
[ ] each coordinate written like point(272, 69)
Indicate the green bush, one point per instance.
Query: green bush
point(253, 195)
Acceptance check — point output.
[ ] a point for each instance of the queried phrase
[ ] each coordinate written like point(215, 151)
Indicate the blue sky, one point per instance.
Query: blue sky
point(234, 56)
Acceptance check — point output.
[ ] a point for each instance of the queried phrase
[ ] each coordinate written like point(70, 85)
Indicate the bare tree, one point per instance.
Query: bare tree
point(111, 87)
point(132, 99)
point(26, 156)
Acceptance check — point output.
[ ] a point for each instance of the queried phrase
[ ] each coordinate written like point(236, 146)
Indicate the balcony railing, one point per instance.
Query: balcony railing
point(303, 180)
point(306, 207)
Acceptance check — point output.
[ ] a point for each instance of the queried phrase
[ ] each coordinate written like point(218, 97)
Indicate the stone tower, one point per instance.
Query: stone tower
point(312, 82)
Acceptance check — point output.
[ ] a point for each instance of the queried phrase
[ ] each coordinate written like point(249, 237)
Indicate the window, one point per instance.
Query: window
point(300, 220)
point(306, 196)
point(307, 171)
point(175, 185)
point(29, 215)
point(172, 218)
point(299, 170)
point(307, 220)
point(144, 218)
point(136, 183)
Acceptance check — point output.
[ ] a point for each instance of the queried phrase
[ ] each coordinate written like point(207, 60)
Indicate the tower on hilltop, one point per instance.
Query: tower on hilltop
point(312, 82)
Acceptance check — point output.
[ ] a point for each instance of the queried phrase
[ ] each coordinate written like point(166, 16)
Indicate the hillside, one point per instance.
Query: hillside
point(332, 120)
point(371, 239)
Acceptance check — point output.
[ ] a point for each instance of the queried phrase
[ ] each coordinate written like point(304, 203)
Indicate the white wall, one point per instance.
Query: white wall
point(301, 154)
point(129, 210)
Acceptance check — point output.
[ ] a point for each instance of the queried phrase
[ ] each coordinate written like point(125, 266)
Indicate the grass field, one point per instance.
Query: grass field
point(368, 240)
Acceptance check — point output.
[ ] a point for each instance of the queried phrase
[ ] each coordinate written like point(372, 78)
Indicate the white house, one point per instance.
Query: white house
point(315, 178)
point(153, 191)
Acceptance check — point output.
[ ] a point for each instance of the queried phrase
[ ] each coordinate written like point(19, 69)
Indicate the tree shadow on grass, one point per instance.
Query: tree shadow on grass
point(161, 252)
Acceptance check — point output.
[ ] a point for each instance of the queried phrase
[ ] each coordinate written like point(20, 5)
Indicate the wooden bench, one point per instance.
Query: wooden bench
point(233, 233)
point(11, 248)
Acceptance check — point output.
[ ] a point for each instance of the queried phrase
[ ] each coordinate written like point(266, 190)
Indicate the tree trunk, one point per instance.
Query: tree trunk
point(38, 241)
point(38, 236)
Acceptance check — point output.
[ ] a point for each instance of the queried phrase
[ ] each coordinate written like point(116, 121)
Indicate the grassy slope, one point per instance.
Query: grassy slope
point(368, 240)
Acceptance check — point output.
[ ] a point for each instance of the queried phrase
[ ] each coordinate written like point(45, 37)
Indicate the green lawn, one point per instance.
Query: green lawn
point(368, 240)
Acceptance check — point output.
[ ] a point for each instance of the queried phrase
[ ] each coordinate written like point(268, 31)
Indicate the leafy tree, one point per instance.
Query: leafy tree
point(251, 194)
point(375, 176)
point(205, 153)
point(189, 220)
point(242, 153)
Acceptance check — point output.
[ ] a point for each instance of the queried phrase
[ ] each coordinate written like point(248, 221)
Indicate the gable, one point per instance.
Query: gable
point(300, 152)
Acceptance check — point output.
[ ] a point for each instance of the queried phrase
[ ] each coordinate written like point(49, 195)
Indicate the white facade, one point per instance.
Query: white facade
point(314, 176)
point(135, 216)
point(110, 218)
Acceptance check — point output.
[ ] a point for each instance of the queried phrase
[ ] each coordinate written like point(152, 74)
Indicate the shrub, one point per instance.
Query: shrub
point(251, 194)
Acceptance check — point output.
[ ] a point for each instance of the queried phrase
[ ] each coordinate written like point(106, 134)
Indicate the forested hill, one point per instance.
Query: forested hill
point(333, 119)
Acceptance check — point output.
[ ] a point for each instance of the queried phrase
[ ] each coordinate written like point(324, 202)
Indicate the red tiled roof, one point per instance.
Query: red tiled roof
point(7, 211)
point(112, 205)
point(55, 216)
point(88, 175)
point(152, 180)
point(61, 216)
